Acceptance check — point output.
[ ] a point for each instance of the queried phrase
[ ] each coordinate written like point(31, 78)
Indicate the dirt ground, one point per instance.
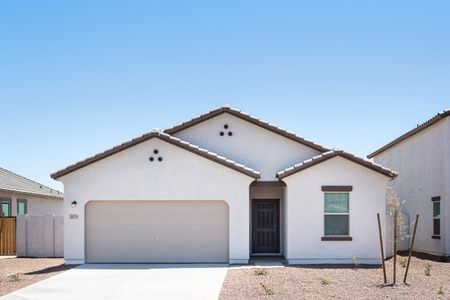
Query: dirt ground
point(341, 282)
point(16, 273)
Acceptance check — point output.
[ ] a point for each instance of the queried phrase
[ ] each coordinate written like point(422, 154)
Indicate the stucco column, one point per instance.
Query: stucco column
point(239, 234)
point(73, 231)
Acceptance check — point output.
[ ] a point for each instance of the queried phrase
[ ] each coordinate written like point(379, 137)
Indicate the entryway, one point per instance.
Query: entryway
point(265, 226)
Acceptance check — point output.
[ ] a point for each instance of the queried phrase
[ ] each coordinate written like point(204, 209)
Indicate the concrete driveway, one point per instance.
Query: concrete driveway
point(129, 281)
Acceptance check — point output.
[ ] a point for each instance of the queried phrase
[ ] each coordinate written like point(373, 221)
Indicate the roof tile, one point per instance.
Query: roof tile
point(333, 153)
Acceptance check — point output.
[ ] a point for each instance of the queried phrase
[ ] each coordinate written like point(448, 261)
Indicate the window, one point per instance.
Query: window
point(5, 206)
point(336, 214)
point(436, 216)
point(21, 206)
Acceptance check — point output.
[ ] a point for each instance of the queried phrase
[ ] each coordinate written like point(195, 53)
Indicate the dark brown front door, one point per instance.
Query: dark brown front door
point(265, 226)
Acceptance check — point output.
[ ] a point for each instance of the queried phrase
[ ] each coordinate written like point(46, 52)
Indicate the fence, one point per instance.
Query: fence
point(7, 236)
point(40, 236)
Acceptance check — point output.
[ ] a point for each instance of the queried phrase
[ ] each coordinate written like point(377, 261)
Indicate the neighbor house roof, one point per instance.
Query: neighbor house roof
point(249, 118)
point(12, 182)
point(440, 116)
point(333, 153)
point(169, 139)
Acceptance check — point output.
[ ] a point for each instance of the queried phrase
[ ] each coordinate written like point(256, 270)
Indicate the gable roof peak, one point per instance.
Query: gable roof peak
point(331, 154)
point(249, 118)
point(169, 139)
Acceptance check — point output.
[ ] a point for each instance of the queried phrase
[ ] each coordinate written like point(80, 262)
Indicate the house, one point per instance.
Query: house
point(220, 188)
point(20, 196)
point(422, 158)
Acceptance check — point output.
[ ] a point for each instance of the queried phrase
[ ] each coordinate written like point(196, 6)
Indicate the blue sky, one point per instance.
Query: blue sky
point(77, 77)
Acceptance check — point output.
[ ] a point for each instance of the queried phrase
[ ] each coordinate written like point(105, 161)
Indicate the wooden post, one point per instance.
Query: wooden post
point(395, 245)
point(411, 247)
point(1, 224)
point(381, 246)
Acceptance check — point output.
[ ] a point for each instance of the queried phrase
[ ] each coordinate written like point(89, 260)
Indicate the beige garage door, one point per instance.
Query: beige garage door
point(156, 231)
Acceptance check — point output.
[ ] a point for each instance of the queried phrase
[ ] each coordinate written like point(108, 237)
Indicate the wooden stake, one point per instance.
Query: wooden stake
point(395, 246)
point(411, 247)
point(381, 246)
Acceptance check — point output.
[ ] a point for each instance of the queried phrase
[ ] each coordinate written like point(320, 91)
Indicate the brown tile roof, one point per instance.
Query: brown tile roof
point(440, 116)
point(333, 153)
point(249, 118)
point(10, 181)
point(169, 139)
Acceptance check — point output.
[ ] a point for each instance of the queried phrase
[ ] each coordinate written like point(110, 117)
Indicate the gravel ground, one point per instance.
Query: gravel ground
point(340, 282)
point(16, 273)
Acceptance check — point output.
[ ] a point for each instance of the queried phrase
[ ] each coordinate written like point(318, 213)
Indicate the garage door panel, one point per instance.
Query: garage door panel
point(156, 231)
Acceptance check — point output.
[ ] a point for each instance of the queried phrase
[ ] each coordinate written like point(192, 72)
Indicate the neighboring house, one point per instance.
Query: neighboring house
point(422, 158)
point(257, 190)
point(20, 196)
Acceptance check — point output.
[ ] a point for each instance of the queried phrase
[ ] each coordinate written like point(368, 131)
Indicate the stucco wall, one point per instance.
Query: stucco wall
point(39, 236)
point(182, 175)
point(422, 162)
point(36, 205)
point(250, 145)
point(304, 204)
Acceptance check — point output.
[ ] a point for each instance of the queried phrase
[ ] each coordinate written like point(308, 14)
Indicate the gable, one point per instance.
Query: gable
point(241, 140)
point(319, 160)
point(337, 170)
point(166, 138)
point(130, 174)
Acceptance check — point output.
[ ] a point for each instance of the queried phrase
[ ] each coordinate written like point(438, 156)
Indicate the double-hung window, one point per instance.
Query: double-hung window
point(436, 216)
point(337, 214)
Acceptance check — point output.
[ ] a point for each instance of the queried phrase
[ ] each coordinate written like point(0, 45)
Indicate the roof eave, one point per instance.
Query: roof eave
point(164, 137)
point(388, 173)
point(419, 128)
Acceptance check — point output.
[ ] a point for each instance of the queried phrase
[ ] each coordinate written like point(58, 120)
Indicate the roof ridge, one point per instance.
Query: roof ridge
point(436, 118)
point(330, 154)
point(26, 179)
point(247, 117)
point(165, 137)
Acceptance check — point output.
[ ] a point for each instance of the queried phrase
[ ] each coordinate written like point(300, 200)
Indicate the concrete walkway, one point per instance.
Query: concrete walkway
point(128, 281)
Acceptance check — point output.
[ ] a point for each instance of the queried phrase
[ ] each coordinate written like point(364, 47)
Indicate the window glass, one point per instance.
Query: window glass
point(437, 218)
point(336, 203)
point(5, 209)
point(21, 208)
point(436, 209)
point(336, 225)
point(436, 227)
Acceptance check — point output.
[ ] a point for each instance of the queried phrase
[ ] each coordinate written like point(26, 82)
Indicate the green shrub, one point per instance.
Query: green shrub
point(428, 269)
point(403, 263)
point(261, 272)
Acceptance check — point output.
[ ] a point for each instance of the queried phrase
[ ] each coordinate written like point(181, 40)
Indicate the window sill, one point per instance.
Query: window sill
point(337, 238)
point(436, 237)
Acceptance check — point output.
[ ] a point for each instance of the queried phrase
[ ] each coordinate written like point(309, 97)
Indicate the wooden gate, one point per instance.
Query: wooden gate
point(7, 235)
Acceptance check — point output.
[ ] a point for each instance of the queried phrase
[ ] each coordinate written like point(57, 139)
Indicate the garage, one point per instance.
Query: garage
point(156, 231)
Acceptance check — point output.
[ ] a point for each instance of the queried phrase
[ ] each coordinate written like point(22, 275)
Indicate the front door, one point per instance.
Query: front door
point(265, 226)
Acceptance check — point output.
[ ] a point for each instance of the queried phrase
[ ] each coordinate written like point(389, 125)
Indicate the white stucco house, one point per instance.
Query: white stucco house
point(220, 188)
point(422, 158)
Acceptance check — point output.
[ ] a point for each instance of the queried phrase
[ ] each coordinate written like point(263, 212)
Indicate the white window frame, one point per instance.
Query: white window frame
point(437, 217)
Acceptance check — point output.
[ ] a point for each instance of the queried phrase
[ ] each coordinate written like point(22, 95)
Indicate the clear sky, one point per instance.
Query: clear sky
point(77, 77)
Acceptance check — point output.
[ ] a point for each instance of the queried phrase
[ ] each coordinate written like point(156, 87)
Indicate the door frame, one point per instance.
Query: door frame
point(280, 229)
